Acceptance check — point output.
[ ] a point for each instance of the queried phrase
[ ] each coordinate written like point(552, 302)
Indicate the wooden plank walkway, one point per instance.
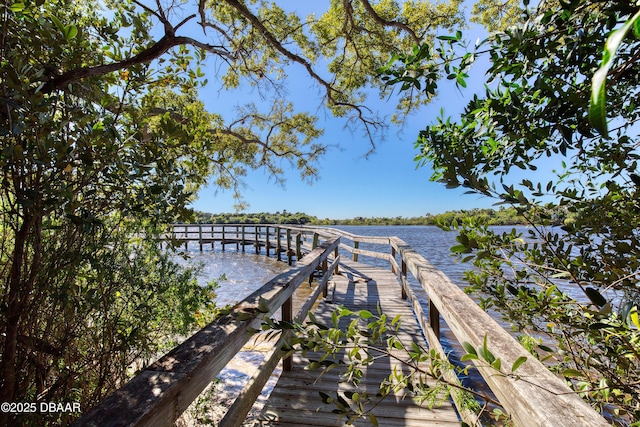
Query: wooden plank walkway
point(295, 401)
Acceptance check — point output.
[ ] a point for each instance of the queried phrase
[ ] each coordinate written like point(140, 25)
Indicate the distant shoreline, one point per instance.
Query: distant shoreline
point(502, 216)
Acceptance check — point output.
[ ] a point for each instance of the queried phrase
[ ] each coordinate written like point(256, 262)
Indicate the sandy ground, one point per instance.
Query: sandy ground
point(214, 401)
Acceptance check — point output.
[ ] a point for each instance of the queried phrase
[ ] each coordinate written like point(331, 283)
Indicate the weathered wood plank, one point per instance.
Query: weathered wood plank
point(296, 400)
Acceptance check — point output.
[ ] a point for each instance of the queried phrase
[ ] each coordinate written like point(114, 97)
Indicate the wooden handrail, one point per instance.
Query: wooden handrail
point(535, 396)
point(160, 393)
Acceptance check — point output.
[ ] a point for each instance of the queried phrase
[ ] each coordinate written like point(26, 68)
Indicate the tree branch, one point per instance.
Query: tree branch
point(158, 49)
point(386, 23)
point(276, 44)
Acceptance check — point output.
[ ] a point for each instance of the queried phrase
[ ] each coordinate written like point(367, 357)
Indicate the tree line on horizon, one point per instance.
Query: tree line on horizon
point(488, 216)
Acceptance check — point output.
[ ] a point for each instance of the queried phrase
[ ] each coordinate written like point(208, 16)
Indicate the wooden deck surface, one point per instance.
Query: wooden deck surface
point(295, 401)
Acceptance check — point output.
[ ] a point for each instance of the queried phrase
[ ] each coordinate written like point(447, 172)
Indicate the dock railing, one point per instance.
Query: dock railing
point(160, 393)
point(532, 396)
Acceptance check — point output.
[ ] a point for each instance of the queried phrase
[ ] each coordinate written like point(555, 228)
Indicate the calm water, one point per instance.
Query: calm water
point(237, 274)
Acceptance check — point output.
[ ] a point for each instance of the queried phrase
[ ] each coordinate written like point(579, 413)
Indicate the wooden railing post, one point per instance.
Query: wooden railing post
point(315, 241)
point(278, 244)
point(393, 255)
point(222, 240)
point(289, 261)
point(244, 238)
point(325, 265)
point(267, 243)
point(257, 239)
point(404, 280)
point(356, 245)
point(298, 247)
point(434, 319)
point(186, 238)
point(200, 235)
point(287, 316)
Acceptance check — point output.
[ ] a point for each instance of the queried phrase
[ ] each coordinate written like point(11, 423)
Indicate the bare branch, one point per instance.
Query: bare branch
point(184, 21)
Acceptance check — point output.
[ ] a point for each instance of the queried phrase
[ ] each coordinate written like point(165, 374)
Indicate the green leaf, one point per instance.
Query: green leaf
point(373, 420)
point(17, 7)
point(458, 249)
point(396, 319)
point(365, 314)
point(596, 297)
point(263, 305)
point(70, 31)
point(597, 105)
point(57, 23)
point(634, 317)
point(572, 373)
point(244, 316)
point(497, 364)
point(469, 348)
point(519, 361)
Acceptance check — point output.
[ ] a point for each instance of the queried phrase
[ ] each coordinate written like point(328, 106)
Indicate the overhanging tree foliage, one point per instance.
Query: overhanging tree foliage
point(105, 139)
point(571, 293)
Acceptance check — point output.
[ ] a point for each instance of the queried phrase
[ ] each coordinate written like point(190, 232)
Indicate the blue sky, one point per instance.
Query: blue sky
point(385, 184)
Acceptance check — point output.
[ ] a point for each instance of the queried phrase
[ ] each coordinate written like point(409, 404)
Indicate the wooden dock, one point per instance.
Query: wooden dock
point(161, 392)
point(296, 399)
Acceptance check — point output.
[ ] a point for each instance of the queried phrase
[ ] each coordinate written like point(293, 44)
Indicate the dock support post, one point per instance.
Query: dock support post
point(315, 241)
point(200, 235)
point(257, 239)
point(222, 240)
point(298, 247)
point(266, 247)
point(244, 240)
point(356, 245)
